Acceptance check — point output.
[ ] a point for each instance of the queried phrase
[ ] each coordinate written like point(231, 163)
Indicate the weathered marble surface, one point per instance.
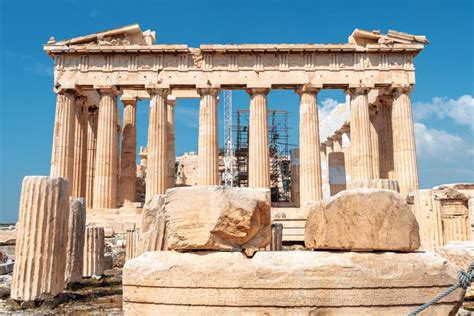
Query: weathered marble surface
point(362, 219)
point(286, 283)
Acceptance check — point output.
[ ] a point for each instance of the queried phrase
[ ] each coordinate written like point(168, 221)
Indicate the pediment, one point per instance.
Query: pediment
point(126, 35)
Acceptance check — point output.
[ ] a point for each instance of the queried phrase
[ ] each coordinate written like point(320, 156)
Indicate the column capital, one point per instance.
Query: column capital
point(357, 91)
point(158, 91)
point(307, 88)
point(128, 100)
point(107, 89)
point(401, 89)
point(66, 91)
point(253, 91)
point(208, 91)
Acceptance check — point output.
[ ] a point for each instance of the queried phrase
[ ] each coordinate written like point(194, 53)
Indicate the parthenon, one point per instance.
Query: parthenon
point(369, 240)
point(374, 69)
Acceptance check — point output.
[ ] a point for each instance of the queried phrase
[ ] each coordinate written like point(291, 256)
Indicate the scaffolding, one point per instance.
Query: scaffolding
point(278, 136)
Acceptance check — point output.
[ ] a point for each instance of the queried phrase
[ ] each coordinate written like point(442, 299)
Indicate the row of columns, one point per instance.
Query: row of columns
point(86, 148)
point(85, 144)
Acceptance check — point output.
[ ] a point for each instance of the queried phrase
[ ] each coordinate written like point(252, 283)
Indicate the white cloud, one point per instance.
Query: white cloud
point(460, 110)
point(328, 105)
point(440, 145)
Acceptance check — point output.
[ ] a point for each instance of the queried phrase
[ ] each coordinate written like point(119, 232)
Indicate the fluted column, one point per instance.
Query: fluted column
point(62, 156)
point(105, 174)
point(309, 153)
point(259, 162)
point(404, 149)
point(384, 128)
point(41, 244)
point(91, 153)
point(94, 249)
point(75, 240)
point(78, 183)
point(156, 180)
point(131, 244)
point(346, 148)
point(171, 103)
point(361, 151)
point(208, 151)
point(374, 142)
point(128, 167)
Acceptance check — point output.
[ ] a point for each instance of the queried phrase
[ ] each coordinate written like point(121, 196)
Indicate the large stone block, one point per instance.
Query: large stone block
point(75, 240)
point(387, 184)
point(207, 218)
point(362, 219)
point(286, 283)
point(41, 239)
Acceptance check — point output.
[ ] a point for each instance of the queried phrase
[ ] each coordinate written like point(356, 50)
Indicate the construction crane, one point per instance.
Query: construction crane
point(228, 144)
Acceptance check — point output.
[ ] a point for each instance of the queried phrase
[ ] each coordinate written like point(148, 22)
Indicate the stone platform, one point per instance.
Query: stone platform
point(286, 283)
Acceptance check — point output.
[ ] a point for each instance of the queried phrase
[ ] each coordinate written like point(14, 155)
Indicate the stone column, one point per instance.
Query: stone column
point(128, 168)
point(41, 244)
point(78, 184)
point(346, 148)
point(131, 244)
point(361, 151)
point(404, 150)
point(105, 173)
point(310, 156)
point(75, 240)
point(259, 162)
point(171, 103)
point(295, 175)
point(374, 141)
point(208, 151)
point(156, 180)
point(384, 128)
point(337, 175)
point(325, 170)
point(429, 220)
point(91, 153)
point(94, 252)
point(62, 156)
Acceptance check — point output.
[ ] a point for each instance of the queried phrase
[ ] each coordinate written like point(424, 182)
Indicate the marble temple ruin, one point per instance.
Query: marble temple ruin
point(354, 189)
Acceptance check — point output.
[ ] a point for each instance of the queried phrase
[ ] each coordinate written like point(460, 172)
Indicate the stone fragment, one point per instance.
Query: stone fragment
point(152, 226)
point(39, 268)
point(7, 236)
point(94, 249)
point(214, 217)
point(387, 184)
point(362, 219)
point(287, 283)
point(75, 240)
point(461, 254)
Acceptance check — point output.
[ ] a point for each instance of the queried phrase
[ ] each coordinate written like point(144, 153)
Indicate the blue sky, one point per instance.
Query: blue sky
point(443, 101)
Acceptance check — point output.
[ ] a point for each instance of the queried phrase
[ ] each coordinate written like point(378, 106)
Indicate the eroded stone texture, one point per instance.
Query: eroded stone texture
point(94, 252)
point(362, 219)
point(41, 239)
point(460, 253)
point(75, 240)
point(386, 184)
point(152, 226)
point(214, 217)
point(286, 283)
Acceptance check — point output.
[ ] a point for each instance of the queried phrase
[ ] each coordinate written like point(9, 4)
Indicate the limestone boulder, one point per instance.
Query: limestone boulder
point(206, 218)
point(361, 220)
point(287, 283)
point(214, 217)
